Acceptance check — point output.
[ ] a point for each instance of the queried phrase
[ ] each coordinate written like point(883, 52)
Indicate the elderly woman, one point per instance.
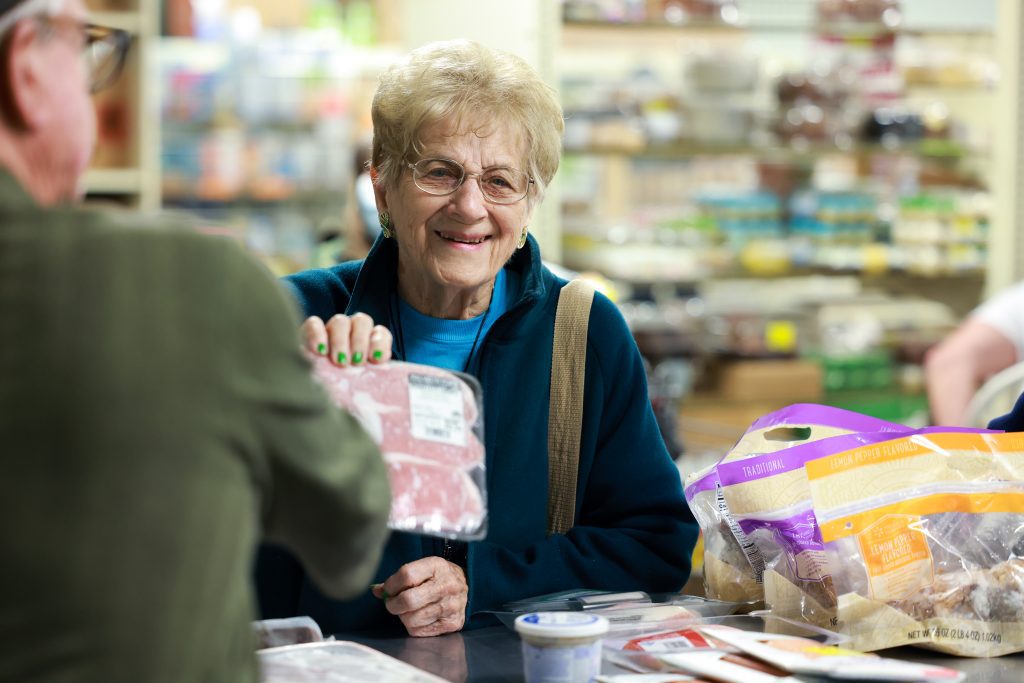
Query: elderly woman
point(465, 141)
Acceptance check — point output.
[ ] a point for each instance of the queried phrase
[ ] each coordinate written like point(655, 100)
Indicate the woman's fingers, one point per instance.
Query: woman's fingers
point(314, 334)
point(348, 340)
point(423, 616)
point(359, 337)
point(380, 344)
point(429, 596)
point(339, 328)
point(446, 624)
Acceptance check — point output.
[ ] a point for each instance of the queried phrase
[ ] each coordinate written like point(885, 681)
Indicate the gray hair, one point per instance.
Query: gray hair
point(464, 81)
point(29, 8)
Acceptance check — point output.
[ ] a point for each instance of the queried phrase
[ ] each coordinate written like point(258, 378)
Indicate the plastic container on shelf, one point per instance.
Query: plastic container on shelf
point(561, 647)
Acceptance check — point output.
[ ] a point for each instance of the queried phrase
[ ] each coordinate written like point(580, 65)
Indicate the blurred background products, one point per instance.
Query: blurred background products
point(790, 199)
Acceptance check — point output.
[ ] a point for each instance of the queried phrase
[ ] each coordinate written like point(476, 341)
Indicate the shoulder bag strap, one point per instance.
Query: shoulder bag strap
point(565, 410)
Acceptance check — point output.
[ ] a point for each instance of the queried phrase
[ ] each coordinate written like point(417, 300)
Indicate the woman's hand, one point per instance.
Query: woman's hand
point(428, 595)
point(348, 340)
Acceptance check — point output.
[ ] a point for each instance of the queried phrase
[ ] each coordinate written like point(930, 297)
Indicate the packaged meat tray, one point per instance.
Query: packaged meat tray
point(290, 631)
point(629, 611)
point(336, 662)
point(428, 423)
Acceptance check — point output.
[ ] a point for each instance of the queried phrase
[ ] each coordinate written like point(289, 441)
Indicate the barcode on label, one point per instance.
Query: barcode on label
point(633, 618)
point(436, 409)
point(668, 645)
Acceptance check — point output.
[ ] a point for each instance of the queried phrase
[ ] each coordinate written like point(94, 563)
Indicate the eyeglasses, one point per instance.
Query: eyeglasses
point(500, 184)
point(103, 48)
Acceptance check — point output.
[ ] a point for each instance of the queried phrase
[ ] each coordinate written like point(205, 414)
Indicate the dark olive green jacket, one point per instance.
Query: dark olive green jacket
point(157, 418)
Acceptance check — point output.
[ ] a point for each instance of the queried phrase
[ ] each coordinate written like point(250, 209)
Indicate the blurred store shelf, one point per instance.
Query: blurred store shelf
point(109, 181)
point(939, 149)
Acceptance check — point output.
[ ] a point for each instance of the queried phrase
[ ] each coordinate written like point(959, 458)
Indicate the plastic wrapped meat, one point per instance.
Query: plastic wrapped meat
point(290, 631)
point(336, 662)
point(429, 426)
point(428, 496)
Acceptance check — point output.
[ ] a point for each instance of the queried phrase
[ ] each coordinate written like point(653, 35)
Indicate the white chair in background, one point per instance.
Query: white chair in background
point(996, 396)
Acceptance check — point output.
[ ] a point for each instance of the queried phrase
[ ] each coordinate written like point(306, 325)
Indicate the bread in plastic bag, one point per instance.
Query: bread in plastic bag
point(428, 423)
point(728, 574)
point(733, 566)
point(926, 538)
point(769, 498)
point(802, 423)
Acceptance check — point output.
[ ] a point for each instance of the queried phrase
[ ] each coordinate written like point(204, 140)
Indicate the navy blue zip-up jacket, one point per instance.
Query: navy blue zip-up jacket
point(633, 528)
point(1013, 421)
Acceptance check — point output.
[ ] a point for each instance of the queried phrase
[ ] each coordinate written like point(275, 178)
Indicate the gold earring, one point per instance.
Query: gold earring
point(522, 239)
point(385, 224)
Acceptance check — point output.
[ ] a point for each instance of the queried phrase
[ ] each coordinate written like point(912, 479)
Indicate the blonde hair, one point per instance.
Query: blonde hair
point(464, 81)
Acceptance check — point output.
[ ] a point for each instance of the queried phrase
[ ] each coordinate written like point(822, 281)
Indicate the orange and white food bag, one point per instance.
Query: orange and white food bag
point(926, 537)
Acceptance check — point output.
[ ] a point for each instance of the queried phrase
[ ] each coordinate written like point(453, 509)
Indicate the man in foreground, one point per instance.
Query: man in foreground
point(156, 414)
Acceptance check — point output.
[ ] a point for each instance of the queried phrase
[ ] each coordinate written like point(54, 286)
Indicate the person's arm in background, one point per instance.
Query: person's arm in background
point(957, 367)
point(324, 483)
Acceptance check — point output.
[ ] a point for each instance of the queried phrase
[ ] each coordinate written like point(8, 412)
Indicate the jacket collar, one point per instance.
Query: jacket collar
point(377, 279)
point(14, 197)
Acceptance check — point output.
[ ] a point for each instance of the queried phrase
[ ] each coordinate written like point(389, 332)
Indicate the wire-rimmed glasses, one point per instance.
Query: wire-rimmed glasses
point(104, 49)
point(499, 184)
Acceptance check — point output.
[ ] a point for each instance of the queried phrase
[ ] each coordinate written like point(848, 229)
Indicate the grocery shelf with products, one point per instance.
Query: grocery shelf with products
point(793, 196)
point(260, 136)
point(827, 151)
point(706, 141)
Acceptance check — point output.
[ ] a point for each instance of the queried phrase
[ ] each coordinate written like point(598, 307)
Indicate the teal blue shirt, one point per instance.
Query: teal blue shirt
point(451, 344)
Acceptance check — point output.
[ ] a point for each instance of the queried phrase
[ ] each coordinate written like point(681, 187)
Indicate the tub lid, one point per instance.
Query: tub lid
point(562, 624)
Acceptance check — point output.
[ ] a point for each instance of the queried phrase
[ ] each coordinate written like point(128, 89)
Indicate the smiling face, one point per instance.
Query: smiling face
point(450, 248)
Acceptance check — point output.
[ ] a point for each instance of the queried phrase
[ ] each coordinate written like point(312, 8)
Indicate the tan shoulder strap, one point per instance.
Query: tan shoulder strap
point(565, 411)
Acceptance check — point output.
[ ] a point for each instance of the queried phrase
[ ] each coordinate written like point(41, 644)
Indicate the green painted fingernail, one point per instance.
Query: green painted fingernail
point(321, 349)
point(341, 358)
point(357, 357)
point(378, 354)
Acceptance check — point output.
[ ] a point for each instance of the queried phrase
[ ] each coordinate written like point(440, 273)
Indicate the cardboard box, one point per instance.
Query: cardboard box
point(789, 381)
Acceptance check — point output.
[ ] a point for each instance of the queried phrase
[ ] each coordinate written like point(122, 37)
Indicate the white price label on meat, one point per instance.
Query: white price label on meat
point(435, 407)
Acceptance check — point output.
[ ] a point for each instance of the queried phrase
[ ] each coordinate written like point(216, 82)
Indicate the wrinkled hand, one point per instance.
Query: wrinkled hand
point(348, 340)
point(428, 595)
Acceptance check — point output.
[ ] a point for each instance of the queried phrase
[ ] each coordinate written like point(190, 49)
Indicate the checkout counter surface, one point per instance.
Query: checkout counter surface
point(493, 655)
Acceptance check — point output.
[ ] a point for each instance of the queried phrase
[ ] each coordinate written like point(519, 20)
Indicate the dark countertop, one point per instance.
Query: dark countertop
point(493, 655)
